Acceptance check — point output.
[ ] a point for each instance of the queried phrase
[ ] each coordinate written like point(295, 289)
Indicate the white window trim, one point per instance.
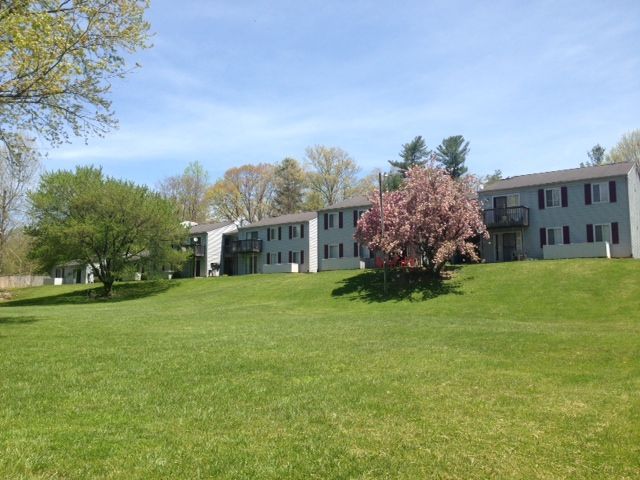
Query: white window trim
point(294, 231)
point(273, 233)
point(337, 250)
point(604, 187)
point(559, 190)
point(608, 225)
point(561, 235)
point(335, 223)
point(294, 256)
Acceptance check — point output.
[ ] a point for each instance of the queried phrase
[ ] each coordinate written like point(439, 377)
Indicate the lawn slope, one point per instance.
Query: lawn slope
point(523, 370)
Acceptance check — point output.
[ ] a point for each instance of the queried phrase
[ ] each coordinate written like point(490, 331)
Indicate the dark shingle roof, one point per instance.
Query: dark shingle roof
point(359, 201)
point(561, 176)
point(282, 219)
point(208, 227)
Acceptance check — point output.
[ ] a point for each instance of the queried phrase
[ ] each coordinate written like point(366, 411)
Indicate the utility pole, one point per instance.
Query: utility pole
point(384, 255)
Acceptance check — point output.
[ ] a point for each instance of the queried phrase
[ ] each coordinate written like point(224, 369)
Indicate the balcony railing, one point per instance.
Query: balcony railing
point(506, 217)
point(198, 250)
point(252, 245)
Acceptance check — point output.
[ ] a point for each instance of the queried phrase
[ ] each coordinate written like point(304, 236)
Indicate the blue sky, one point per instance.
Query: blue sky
point(532, 85)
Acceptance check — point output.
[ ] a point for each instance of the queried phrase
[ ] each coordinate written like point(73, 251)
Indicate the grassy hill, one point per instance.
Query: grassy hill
point(522, 370)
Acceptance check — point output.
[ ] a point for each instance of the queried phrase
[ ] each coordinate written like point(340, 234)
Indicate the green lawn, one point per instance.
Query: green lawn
point(524, 370)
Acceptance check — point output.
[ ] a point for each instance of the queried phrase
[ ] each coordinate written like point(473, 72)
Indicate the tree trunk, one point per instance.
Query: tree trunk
point(107, 287)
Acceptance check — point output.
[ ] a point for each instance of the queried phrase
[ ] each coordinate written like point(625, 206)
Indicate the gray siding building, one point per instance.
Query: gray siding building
point(581, 212)
point(287, 243)
point(337, 249)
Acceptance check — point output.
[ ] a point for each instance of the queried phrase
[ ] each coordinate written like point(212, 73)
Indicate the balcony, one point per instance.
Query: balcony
point(198, 250)
point(252, 245)
point(506, 217)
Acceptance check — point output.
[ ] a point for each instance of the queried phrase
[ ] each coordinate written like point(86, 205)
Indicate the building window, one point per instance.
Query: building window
point(294, 257)
point(505, 201)
point(600, 193)
point(552, 197)
point(273, 233)
point(333, 251)
point(333, 220)
point(294, 232)
point(554, 236)
point(602, 232)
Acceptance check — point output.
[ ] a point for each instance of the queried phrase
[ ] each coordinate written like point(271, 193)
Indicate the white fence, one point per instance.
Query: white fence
point(19, 281)
point(280, 268)
point(345, 263)
point(577, 250)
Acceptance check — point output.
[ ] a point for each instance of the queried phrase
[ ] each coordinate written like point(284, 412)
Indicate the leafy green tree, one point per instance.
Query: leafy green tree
point(19, 165)
point(243, 193)
point(58, 59)
point(290, 183)
point(188, 192)
point(452, 153)
point(331, 173)
point(627, 149)
point(596, 156)
point(492, 177)
point(413, 154)
point(103, 222)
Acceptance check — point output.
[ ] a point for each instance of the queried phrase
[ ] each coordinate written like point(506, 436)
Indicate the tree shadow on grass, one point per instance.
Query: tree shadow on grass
point(411, 285)
point(121, 292)
point(17, 320)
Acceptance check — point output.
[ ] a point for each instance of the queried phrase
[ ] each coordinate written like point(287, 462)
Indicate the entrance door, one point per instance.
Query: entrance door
point(509, 250)
point(198, 262)
point(500, 202)
point(78, 276)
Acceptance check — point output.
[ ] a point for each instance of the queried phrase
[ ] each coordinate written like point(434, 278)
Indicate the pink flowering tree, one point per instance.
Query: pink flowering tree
point(432, 216)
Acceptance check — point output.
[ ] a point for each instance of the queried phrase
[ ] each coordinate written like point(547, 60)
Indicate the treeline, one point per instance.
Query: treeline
point(626, 150)
point(252, 192)
point(325, 175)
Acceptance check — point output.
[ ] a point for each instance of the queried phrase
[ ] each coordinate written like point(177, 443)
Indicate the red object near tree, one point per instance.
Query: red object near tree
point(432, 215)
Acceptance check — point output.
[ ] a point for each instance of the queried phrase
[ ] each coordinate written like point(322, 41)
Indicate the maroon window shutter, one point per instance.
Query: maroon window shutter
point(326, 221)
point(326, 251)
point(279, 257)
point(302, 257)
point(355, 218)
point(587, 194)
point(615, 235)
point(543, 237)
point(340, 220)
point(613, 197)
point(566, 237)
point(302, 230)
point(279, 233)
point(341, 250)
point(290, 256)
point(541, 199)
point(564, 194)
point(268, 234)
point(356, 253)
point(590, 233)
point(268, 259)
point(290, 233)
